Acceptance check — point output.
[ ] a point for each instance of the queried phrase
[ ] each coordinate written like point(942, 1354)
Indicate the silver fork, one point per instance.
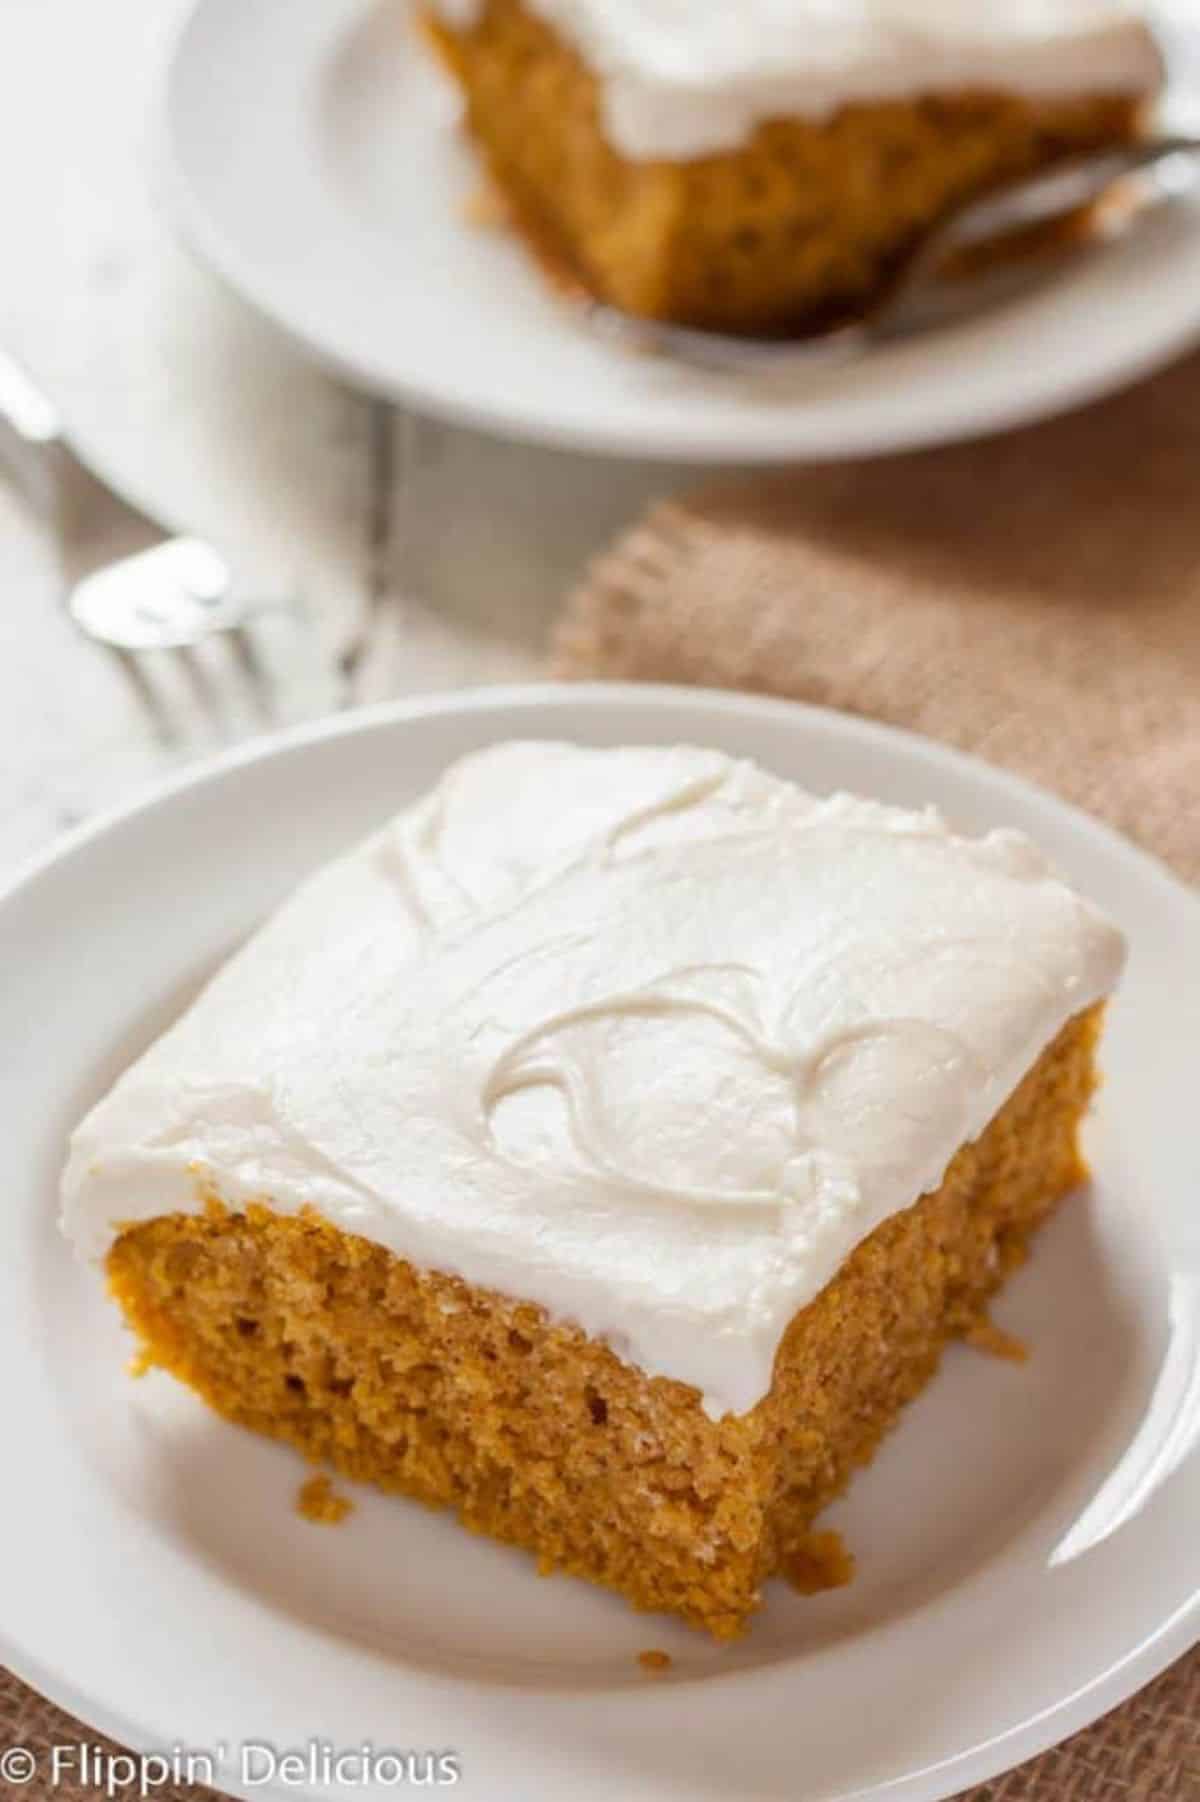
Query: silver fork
point(169, 594)
point(917, 299)
point(151, 599)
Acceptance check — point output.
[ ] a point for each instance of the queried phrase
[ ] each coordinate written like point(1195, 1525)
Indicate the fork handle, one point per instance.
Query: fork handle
point(1079, 182)
point(33, 446)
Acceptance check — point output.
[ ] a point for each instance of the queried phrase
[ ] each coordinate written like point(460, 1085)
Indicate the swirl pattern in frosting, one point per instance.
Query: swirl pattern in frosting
point(646, 1036)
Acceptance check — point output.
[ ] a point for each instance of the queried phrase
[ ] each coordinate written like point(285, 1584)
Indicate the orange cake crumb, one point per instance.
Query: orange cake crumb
point(655, 1661)
point(319, 1502)
point(818, 1561)
point(986, 1336)
point(485, 207)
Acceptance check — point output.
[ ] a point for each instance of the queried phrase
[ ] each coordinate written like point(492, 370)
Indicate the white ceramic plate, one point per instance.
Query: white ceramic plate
point(1027, 1539)
point(314, 162)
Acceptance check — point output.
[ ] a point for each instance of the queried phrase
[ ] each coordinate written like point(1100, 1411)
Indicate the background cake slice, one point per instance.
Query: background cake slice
point(607, 1149)
point(756, 166)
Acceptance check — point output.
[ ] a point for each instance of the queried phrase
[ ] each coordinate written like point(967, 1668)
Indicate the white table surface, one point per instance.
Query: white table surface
point(446, 551)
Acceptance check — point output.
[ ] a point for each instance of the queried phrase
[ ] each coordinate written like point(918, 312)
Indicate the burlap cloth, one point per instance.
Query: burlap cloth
point(1036, 600)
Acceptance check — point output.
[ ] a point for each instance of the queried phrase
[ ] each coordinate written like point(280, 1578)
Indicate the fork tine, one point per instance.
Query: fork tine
point(257, 676)
point(202, 686)
point(133, 669)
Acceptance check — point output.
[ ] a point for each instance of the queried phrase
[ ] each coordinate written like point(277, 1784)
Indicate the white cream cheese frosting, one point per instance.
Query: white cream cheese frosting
point(686, 78)
point(646, 1036)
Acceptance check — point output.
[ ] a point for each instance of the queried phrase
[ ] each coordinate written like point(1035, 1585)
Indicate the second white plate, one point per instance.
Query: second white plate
point(313, 160)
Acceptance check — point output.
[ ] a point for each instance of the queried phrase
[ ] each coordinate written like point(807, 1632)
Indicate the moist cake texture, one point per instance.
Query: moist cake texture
point(754, 168)
point(607, 1149)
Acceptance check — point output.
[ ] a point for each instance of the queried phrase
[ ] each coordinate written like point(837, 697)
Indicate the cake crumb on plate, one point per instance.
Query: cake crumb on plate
point(654, 1661)
point(818, 1561)
point(319, 1502)
point(986, 1336)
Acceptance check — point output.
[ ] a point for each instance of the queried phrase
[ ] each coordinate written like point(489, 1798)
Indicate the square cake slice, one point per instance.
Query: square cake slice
point(607, 1149)
point(762, 166)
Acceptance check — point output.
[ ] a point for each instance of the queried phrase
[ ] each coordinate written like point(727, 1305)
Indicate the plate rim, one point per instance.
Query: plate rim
point(481, 697)
point(200, 230)
point(1059, 1719)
